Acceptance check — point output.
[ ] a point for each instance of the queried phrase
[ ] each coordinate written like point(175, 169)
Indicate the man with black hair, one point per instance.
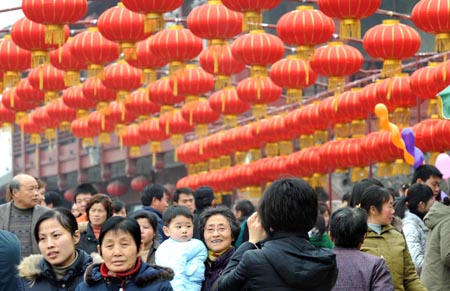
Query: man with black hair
point(357, 270)
point(81, 196)
point(431, 176)
point(20, 215)
point(204, 198)
point(155, 199)
point(52, 199)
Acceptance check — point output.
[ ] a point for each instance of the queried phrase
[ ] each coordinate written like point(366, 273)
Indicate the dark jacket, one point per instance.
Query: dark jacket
point(150, 278)
point(9, 260)
point(88, 241)
point(359, 271)
point(5, 213)
point(161, 236)
point(213, 270)
point(286, 262)
point(37, 274)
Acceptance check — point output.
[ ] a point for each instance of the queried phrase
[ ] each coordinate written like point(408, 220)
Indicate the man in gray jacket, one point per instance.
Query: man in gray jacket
point(19, 216)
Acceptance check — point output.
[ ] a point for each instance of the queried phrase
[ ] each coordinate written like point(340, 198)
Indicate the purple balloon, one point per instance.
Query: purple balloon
point(409, 138)
point(418, 158)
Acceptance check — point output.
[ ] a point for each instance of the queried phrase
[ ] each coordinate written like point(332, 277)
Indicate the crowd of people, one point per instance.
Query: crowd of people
point(378, 240)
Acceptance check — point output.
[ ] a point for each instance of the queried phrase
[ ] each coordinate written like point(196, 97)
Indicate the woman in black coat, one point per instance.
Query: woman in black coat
point(285, 259)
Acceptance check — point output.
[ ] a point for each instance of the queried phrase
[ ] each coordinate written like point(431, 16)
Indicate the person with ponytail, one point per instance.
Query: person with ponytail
point(384, 241)
point(412, 208)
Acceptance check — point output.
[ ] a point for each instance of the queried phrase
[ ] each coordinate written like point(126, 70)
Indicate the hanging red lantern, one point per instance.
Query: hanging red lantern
point(258, 91)
point(219, 61)
point(7, 117)
point(123, 26)
point(48, 79)
point(368, 96)
point(252, 11)
point(397, 95)
point(94, 49)
point(13, 102)
point(151, 131)
point(349, 104)
point(310, 120)
point(33, 129)
point(276, 136)
point(63, 59)
point(173, 123)
point(139, 183)
point(305, 28)
point(123, 78)
point(391, 41)
point(228, 103)
point(147, 61)
point(74, 98)
point(139, 103)
point(31, 36)
point(346, 60)
point(244, 139)
point(432, 16)
point(29, 93)
point(425, 85)
point(161, 93)
point(312, 161)
point(49, 125)
point(119, 115)
point(191, 82)
point(116, 188)
point(54, 15)
point(294, 74)
point(199, 113)
point(81, 129)
point(62, 113)
point(94, 90)
point(177, 45)
point(132, 138)
point(349, 12)
point(327, 107)
point(154, 11)
point(13, 60)
point(426, 132)
point(101, 124)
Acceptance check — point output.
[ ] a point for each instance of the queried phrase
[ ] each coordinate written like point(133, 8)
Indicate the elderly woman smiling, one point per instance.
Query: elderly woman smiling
point(219, 230)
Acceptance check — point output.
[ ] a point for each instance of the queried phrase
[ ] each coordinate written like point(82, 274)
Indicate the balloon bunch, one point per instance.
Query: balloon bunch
point(404, 140)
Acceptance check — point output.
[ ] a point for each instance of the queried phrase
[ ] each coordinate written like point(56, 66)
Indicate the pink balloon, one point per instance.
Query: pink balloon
point(443, 164)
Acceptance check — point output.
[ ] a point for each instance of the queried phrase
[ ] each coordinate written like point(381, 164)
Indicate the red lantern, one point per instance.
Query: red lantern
point(119, 115)
point(63, 59)
point(346, 60)
point(368, 96)
point(432, 16)
point(426, 132)
point(349, 12)
point(228, 103)
point(42, 119)
point(424, 84)
point(147, 61)
point(29, 93)
point(391, 41)
point(151, 131)
point(81, 129)
point(33, 129)
point(294, 74)
point(48, 79)
point(62, 113)
point(199, 113)
point(7, 117)
point(139, 103)
point(94, 90)
point(31, 36)
point(154, 10)
point(349, 104)
point(191, 82)
point(13, 102)
point(74, 98)
point(13, 60)
point(161, 93)
point(219, 60)
point(258, 91)
point(93, 49)
point(132, 138)
point(305, 28)
point(173, 123)
point(116, 188)
point(139, 183)
point(124, 26)
point(123, 78)
point(103, 125)
point(252, 11)
point(327, 107)
point(276, 135)
point(177, 45)
point(54, 15)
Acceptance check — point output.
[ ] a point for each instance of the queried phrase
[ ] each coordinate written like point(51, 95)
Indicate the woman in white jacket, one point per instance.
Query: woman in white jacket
point(412, 209)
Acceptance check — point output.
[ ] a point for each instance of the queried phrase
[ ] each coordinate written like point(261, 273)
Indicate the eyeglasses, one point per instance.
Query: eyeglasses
point(220, 229)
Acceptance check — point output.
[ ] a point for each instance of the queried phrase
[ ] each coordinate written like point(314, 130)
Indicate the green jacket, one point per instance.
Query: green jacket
point(391, 246)
point(436, 266)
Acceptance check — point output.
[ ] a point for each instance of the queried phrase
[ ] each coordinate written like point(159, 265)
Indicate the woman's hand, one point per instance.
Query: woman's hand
point(255, 231)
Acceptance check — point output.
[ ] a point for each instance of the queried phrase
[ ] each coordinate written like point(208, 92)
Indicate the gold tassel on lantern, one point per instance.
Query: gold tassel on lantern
point(350, 27)
point(230, 121)
point(214, 164)
point(336, 84)
point(64, 126)
point(272, 149)
point(255, 154)
point(39, 58)
point(391, 68)
point(433, 108)
point(222, 81)
point(294, 95)
point(320, 136)
point(50, 96)
point(252, 21)
point(135, 151)
point(149, 76)
point(87, 142)
point(129, 51)
point(400, 116)
point(306, 141)
point(104, 138)
point(239, 158)
point(201, 130)
point(342, 130)
point(177, 139)
point(400, 168)
point(358, 128)
point(259, 111)
point(384, 169)
point(442, 42)
point(433, 157)
point(11, 79)
point(286, 147)
point(304, 52)
point(71, 78)
point(154, 22)
point(155, 147)
point(225, 162)
point(55, 34)
point(95, 71)
point(359, 173)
